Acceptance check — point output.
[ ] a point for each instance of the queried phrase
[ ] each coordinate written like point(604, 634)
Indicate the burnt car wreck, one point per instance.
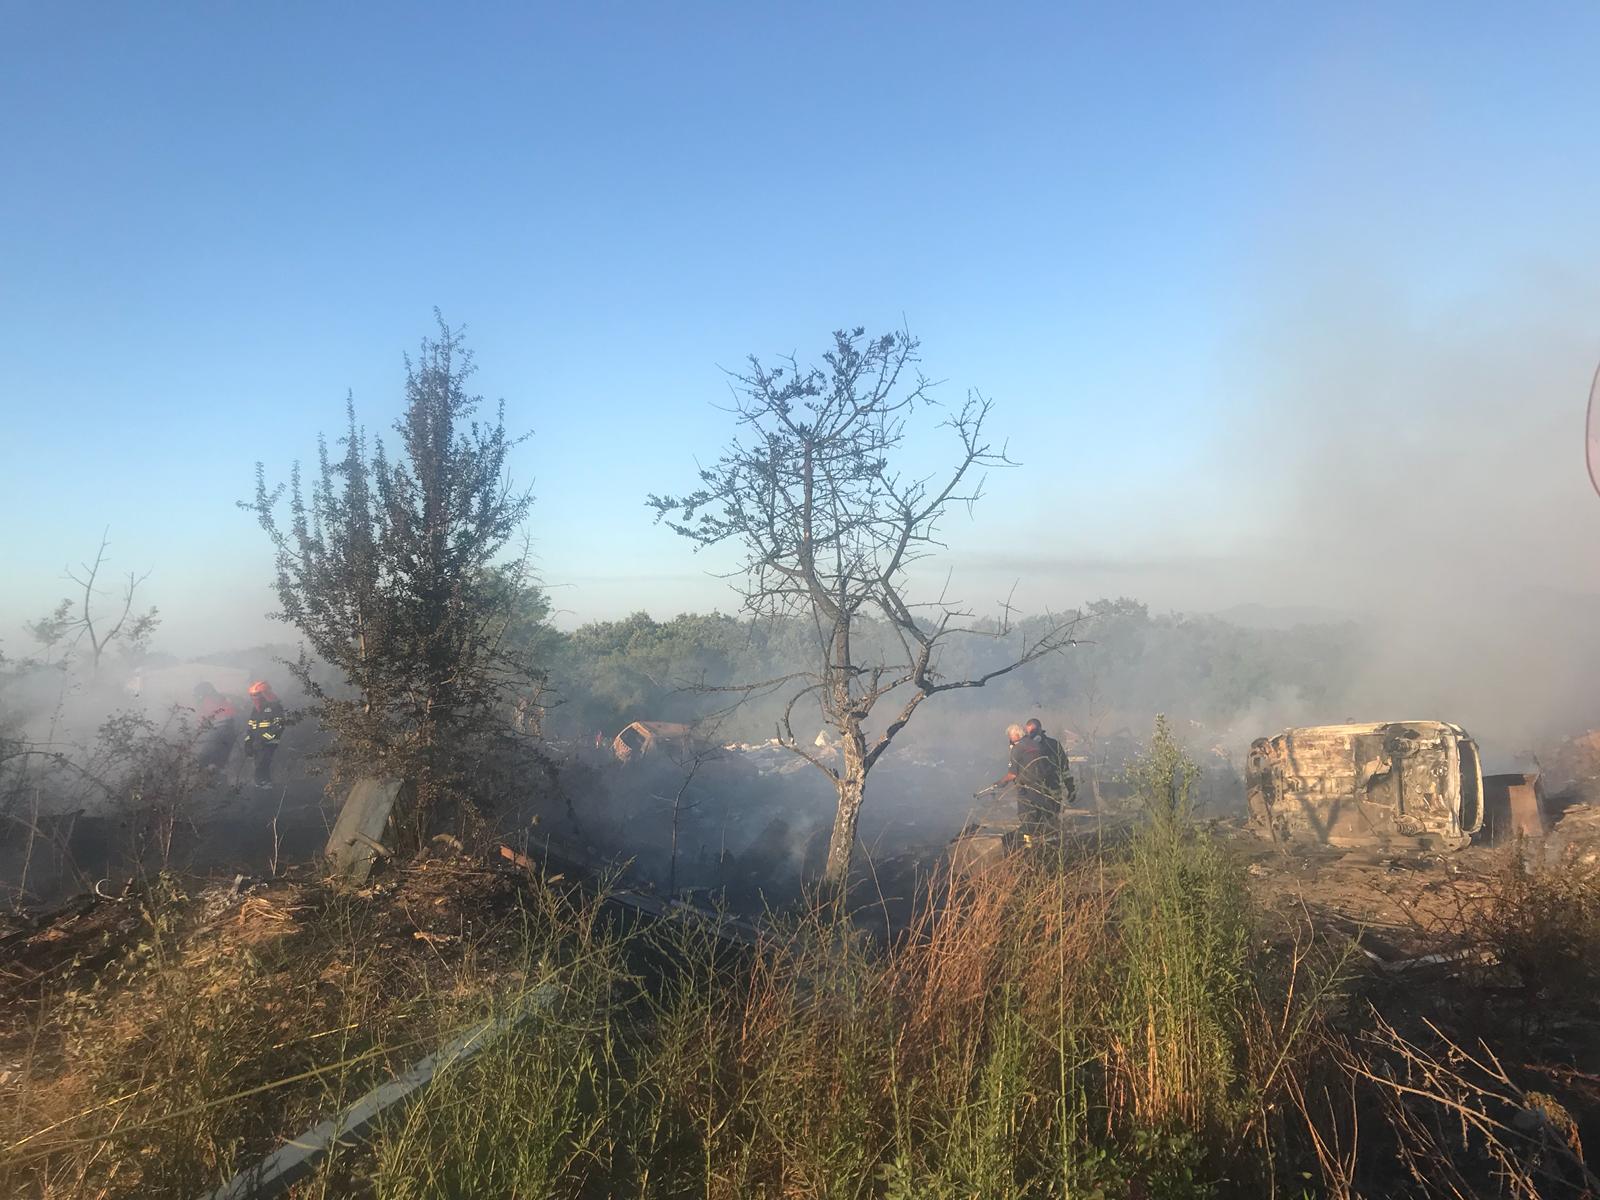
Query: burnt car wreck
point(1395, 782)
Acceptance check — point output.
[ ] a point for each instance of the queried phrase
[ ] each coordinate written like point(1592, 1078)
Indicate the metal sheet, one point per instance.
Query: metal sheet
point(1515, 806)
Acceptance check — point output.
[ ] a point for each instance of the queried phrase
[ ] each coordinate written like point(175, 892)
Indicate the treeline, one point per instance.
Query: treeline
point(1128, 665)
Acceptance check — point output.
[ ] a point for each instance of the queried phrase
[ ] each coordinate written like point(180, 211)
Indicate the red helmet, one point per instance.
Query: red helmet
point(260, 688)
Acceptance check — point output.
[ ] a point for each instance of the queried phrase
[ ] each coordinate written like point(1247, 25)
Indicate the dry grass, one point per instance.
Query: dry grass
point(1109, 1026)
point(1543, 924)
point(209, 1034)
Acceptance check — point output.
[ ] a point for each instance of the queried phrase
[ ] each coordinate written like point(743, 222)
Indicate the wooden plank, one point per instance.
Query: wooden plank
point(299, 1156)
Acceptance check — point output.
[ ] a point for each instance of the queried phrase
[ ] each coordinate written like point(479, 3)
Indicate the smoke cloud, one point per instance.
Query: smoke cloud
point(1422, 468)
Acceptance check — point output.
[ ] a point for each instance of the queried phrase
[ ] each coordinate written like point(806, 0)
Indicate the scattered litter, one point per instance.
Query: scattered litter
point(1398, 966)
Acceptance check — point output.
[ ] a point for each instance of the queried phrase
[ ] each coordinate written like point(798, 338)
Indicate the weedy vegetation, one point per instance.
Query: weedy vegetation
point(1118, 1023)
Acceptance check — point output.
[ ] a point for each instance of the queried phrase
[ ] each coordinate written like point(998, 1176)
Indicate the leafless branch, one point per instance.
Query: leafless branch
point(829, 527)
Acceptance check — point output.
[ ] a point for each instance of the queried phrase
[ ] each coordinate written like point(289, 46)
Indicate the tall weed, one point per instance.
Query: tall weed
point(1184, 914)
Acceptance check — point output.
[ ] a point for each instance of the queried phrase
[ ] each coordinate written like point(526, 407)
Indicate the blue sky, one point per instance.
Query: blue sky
point(1146, 233)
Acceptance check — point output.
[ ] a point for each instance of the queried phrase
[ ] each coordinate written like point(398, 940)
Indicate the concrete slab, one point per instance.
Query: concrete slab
point(358, 833)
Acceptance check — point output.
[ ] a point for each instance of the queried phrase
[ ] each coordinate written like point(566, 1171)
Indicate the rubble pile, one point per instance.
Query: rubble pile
point(1572, 769)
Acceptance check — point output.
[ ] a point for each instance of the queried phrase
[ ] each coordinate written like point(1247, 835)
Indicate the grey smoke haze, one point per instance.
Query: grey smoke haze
point(1414, 462)
point(1422, 466)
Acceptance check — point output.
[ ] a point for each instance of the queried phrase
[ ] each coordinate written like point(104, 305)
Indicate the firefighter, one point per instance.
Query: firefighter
point(218, 724)
point(265, 727)
point(1037, 781)
point(1066, 789)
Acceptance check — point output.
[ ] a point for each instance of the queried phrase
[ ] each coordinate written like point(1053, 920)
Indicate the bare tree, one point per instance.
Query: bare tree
point(829, 526)
point(80, 622)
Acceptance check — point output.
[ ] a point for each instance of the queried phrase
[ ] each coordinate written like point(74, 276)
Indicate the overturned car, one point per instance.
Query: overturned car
point(1396, 782)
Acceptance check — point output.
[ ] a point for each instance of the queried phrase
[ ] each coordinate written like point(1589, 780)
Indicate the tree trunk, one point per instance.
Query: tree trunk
point(843, 841)
point(851, 787)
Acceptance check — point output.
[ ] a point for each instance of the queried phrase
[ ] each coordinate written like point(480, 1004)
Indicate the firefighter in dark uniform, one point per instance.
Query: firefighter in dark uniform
point(1066, 788)
point(264, 728)
point(1037, 779)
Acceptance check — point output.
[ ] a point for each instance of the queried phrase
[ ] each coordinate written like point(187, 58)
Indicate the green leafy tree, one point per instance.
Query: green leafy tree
point(396, 573)
point(613, 672)
point(527, 641)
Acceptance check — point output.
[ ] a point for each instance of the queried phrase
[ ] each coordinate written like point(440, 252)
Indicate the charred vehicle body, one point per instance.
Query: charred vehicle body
point(1367, 785)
